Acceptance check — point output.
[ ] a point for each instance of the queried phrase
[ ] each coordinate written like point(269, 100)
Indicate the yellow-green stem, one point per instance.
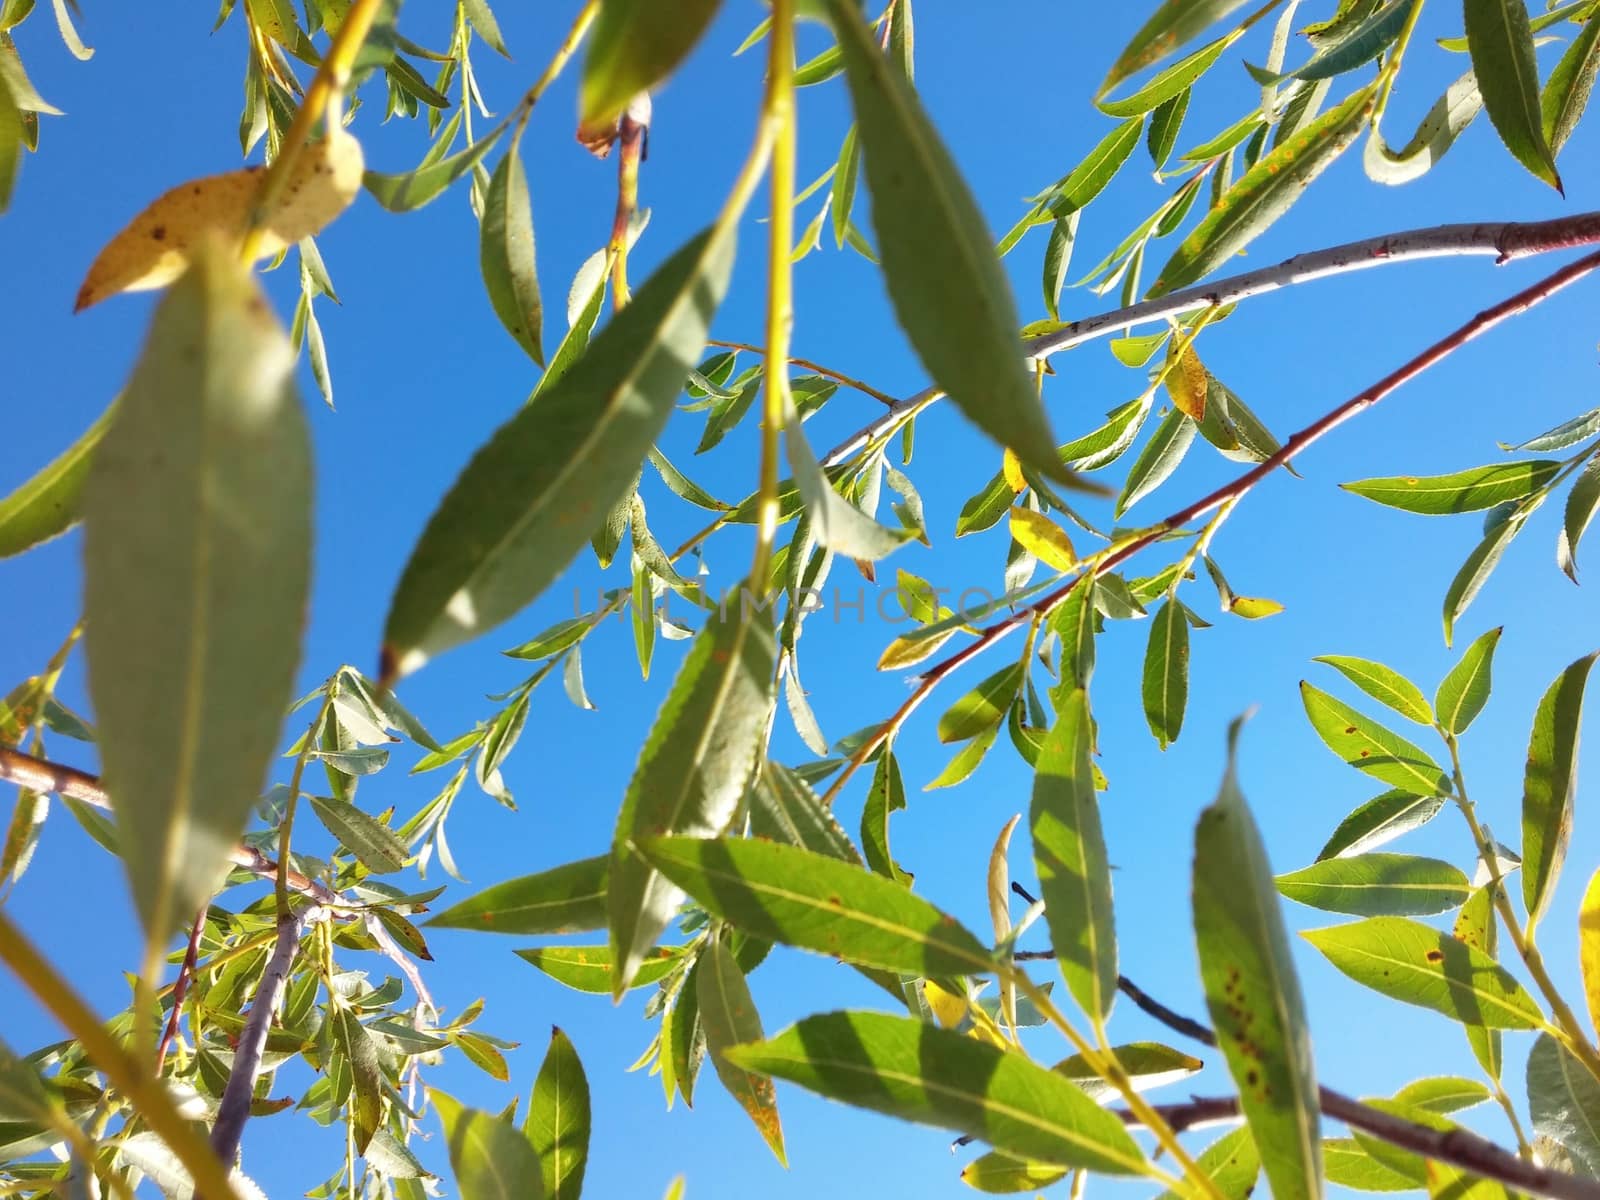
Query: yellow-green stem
point(1391, 69)
point(778, 114)
point(331, 80)
point(128, 1075)
point(564, 52)
point(1567, 1028)
point(286, 826)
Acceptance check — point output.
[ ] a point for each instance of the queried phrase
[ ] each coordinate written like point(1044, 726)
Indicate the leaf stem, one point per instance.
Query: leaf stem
point(1391, 69)
point(564, 52)
point(143, 1089)
point(1567, 1029)
point(778, 115)
point(818, 368)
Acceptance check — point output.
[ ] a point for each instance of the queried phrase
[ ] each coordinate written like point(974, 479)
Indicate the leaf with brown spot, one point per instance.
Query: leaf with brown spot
point(1372, 748)
point(728, 1015)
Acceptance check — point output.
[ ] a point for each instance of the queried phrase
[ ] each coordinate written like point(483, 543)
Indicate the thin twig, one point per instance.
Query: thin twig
point(816, 368)
point(1296, 444)
point(1458, 1147)
point(1507, 241)
point(180, 989)
point(234, 1110)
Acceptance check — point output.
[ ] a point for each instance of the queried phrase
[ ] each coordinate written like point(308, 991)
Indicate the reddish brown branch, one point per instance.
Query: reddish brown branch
point(1298, 442)
point(180, 989)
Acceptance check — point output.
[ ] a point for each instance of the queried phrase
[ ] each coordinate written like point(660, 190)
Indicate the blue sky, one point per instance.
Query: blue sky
point(423, 373)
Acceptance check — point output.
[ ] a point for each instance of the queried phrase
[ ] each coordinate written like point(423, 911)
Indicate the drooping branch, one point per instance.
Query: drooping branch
point(1297, 443)
point(1506, 241)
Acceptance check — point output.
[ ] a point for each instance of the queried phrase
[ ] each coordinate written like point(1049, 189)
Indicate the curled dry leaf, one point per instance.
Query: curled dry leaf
point(157, 245)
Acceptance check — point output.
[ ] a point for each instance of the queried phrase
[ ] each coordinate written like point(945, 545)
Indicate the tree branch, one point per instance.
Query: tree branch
point(1297, 443)
point(1507, 241)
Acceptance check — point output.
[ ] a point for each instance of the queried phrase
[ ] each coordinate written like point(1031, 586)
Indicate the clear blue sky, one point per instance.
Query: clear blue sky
point(423, 373)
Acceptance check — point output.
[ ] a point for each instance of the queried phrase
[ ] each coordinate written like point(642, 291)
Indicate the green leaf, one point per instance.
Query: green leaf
point(1564, 1102)
point(965, 761)
point(197, 560)
point(1443, 1094)
point(1384, 685)
point(1003, 1174)
point(1461, 491)
point(1465, 690)
point(412, 189)
point(886, 796)
point(1349, 1165)
point(506, 255)
point(1566, 94)
point(1166, 672)
point(729, 1017)
point(558, 1119)
point(1172, 82)
point(1450, 115)
point(535, 491)
point(1549, 784)
point(1233, 1164)
point(1073, 192)
point(377, 846)
point(702, 752)
point(1370, 747)
point(783, 808)
point(1406, 960)
point(943, 277)
point(635, 44)
point(1501, 44)
point(1475, 571)
point(1380, 820)
point(1174, 23)
point(1158, 460)
point(1378, 885)
point(1265, 193)
point(1069, 852)
point(589, 968)
point(836, 523)
point(913, 1070)
point(785, 894)
point(982, 708)
point(564, 899)
point(490, 1158)
point(1582, 503)
point(1165, 125)
point(1252, 991)
point(49, 503)
point(1475, 927)
point(360, 1052)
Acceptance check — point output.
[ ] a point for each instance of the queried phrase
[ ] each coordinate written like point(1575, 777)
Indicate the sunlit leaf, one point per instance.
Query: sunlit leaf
point(558, 1119)
point(564, 899)
point(590, 969)
point(1378, 885)
point(1233, 1164)
point(197, 560)
point(1550, 783)
point(1465, 690)
point(1566, 94)
point(1370, 747)
point(1475, 571)
point(1383, 684)
point(634, 45)
point(982, 708)
point(784, 808)
point(1380, 820)
point(729, 1017)
point(1166, 672)
point(378, 847)
point(506, 255)
point(1564, 1103)
point(49, 503)
point(1501, 44)
point(490, 1157)
point(1173, 24)
point(1589, 947)
point(360, 1054)
point(1460, 491)
point(1583, 501)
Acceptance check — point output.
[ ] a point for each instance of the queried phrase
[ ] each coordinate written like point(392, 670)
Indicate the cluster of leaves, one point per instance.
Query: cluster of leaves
point(710, 817)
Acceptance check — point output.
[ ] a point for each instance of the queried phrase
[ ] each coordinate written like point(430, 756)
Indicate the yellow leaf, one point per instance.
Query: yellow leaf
point(1186, 383)
point(1589, 947)
point(1253, 608)
point(1043, 538)
point(156, 246)
point(949, 1009)
point(1011, 468)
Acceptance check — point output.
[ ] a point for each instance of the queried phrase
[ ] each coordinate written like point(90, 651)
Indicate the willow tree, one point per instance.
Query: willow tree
point(194, 493)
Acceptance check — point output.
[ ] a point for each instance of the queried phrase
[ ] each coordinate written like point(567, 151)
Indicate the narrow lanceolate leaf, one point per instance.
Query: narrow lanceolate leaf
point(359, 1051)
point(506, 255)
point(1173, 24)
point(1465, 690)
point(378, 847)
point(1380, 820)
point(1582, 503)
point(1461, 491)
point(197, 560)
point(702, 752)
point(982, 708)
point(1475, 571)
point(1450, 115)
point(50, 503)
point(1069, 851)
point(837, 524)
point(635, 45)
point(565, 899)
point(1475, 926)
point(916, 1071)
point(1383, 684)
point(1370, 747)
point(1252, 990)
point(558, 1119)
point(1406, 960)
point(938, 259)
point(1501, 44)
point(1589, 947)
point(1564, 1102)
point(540, 486)
point(1566, 95)
point(1370, 885)
point(1549, 784)
point(1166, 673)
point(589, 968)
point(728, 1016)
point(785, 894)
point(1265, 193)
point(1233, 1164)
point(783, 808)
point(490, 1158)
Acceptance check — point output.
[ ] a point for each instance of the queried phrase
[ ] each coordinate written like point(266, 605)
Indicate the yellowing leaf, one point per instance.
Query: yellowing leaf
point(949, 1009)
point(1253, 608)
point(1186, 383)
point(158, 244)
point(1011, 468)
point(1043, 538)
point(1589, 947)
